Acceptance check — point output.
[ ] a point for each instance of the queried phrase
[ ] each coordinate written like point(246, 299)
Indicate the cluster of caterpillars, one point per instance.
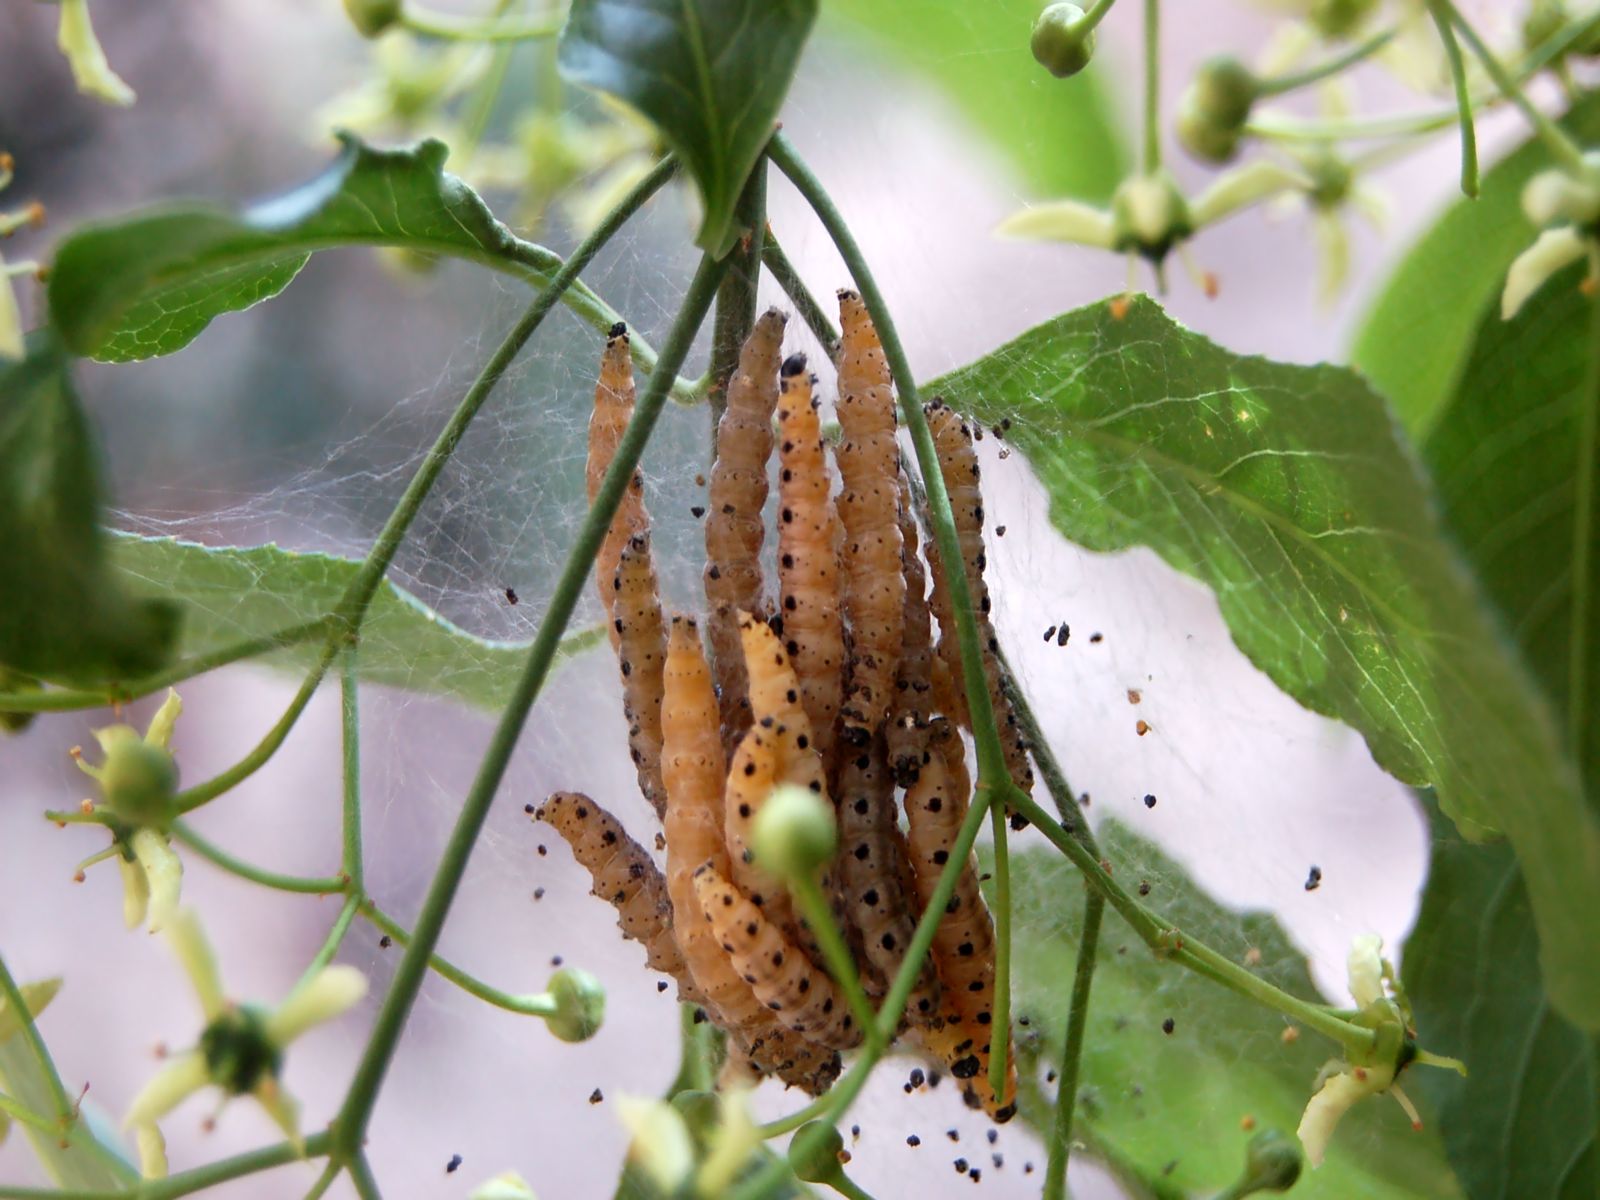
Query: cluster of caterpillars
point(837, 684)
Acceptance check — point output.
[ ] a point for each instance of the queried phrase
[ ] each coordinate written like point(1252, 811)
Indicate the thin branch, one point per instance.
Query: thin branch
point(1055, 1173)
point(805, 304)
point(329, 886)
point(1458, 76)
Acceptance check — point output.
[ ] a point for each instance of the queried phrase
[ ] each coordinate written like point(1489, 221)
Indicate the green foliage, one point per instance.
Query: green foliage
point(1060, 135)
point(234, 593)
point(711, 74)
point(147, 283)
point(1150, 1098)
point(1415, 339)
point(65, 613)
point(1504, 452)
point(1286, 489)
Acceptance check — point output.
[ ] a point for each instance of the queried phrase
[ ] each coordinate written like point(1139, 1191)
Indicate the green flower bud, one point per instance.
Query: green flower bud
point(1557, 195)
point(1213, 110)
point(1340, 18)
point(580, 1005)
point(1062, 43)
point(139, 780)
point(372, 17)
point(238, 1051)
point(814, 1152)
point(1272, 1163)
point(1150, 215)
point(795, 833)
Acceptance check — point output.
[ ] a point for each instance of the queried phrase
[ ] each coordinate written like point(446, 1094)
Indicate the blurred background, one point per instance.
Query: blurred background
point(299, 422)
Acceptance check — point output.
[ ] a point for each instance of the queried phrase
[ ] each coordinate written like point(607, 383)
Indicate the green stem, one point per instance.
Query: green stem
point(452, 27)
point(361, 1176)
point(818, 914)
point(324, 1182)
point(805, 304)
point(999, 1045)
point(524, 1005)
point(1044, 755)
point(1280, 84)
point(188, 1182)
point(1055, 1172)
point(22, 1113)
point(244, 870)
point(1561, 147)
point(1440, 12)
point(59, 1100)
point(1095, 15)
point(330, 944)
point(1585, 528)
point(848, 1187)
point(351, 858)
point(735, 314)
point(357, 1109)
point(698, 1054)
point(63, 700)
point(1150, 153)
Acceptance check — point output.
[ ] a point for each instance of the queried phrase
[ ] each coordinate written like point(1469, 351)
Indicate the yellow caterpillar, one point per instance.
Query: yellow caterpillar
point(734, 532)
point(963, 944)
point(792, 987)
point(755, 771)
point(869, 462)
point(808, 554)
point(958, 463)
point(625, 877)
point(641, 652)
point(692, 771)
point(613, 408)
point(875, 876)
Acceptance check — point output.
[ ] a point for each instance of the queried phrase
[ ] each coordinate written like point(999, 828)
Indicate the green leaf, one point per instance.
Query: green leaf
point(1505, 454)
point(1416, 337)
point(1061, 136)
point(1288, 491)
point(148, 283)
point(1151, 1099)
point(64, 612)
point(711, 74)
point(235, 593)
point(84, 1162)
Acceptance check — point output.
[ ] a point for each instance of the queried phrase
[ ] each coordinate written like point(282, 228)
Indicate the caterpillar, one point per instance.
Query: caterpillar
point(958, 463)
point(756, 769)
point(613, 409)
point(963, 944)
point(624, 876)
point(738, 491)
point(800, 995)
point(692, 772)
point(808, 554)
point(869, 462)
point(874, 874)
point(906, 731)
point(641, 652)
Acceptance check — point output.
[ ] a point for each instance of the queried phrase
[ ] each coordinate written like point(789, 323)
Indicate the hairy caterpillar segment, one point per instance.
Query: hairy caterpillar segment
point(734, 532)
point(641, 652)
point(869, 462)
point(808, 554)
point(958, 464)
point(874, 875)
point(800, 995)
point(624, 876)
point(613, 409)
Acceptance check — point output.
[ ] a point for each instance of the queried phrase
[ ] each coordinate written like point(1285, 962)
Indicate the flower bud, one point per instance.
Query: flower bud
point(814, 1152)
point(139, 780)
point(1062, 42)
point(1557, 195)
point(372, 17)
point(1149, 214)
point(580, 1005)
point(795, 833)
point(238, 1051)
point(1340, 18)
point(1272, 1163)
point(1214, 109)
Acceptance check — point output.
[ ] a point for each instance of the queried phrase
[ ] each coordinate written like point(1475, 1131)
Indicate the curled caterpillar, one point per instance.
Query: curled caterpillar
point(613, 409)
point(958, 463)
point(869, 463)
point(625, 877)
point(641, 653)
point(874, 877)
point(792, 987)
point(808, 554)
point(734, 532)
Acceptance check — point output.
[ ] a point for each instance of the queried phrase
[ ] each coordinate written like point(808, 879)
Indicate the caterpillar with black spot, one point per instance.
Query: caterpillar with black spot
point(963, 943)
point(793, 988)
point(613, 409)
point(907, 731)
point(869, 464)
point(692, 769)
point(808, 554)
point(756, 769)
point(625, 877)
point(641, 653)
point(734, 530)
point(874, 875)
point(958, 464)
